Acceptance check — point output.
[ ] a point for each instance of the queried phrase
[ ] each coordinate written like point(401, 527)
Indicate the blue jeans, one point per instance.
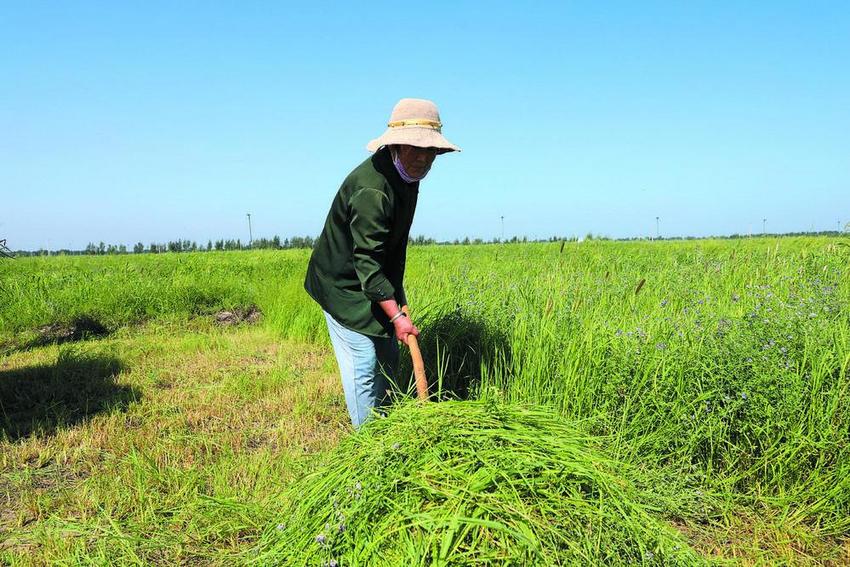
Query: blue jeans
point(367, 365)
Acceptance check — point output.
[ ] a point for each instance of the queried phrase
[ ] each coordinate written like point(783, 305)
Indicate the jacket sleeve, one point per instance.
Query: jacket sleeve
point(370, 229)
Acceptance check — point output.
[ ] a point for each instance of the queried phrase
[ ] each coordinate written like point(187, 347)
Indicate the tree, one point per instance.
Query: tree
point(138, 248)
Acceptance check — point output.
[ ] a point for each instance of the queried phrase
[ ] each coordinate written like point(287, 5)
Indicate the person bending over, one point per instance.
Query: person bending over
point(356, 270)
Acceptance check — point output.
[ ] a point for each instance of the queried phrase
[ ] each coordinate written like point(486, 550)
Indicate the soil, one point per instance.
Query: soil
point(79, 329)
point(250, 314)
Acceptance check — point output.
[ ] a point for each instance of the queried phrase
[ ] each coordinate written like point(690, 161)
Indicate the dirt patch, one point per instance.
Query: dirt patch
point(79, 329)
point(250, 315)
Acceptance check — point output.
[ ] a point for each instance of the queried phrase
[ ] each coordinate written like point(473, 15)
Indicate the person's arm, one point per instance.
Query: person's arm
point(370, 227)
point(403, 325)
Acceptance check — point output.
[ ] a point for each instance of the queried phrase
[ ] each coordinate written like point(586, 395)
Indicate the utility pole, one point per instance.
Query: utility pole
point(658, 228)
point(763, 227)
point(250, 234)
point(503, 228)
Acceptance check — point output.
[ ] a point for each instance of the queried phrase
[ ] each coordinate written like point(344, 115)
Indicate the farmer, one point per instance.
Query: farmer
point(356, 272)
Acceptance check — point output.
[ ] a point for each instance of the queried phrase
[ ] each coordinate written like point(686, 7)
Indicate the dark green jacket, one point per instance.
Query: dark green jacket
point(358, 260)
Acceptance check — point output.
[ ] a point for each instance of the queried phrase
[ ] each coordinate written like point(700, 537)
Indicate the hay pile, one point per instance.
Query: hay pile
point(468, 483)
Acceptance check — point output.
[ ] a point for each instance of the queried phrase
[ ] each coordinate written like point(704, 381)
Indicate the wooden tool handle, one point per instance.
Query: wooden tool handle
point(418, 368)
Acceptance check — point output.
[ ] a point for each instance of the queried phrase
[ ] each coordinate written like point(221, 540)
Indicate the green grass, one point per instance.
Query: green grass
point(185, 464)
point(722, 381)
point(466, 483)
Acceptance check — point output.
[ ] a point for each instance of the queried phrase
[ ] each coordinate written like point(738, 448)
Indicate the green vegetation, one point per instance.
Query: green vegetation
point(712, 377)
point(120, 290)
point(464, 483)
point(163, 445)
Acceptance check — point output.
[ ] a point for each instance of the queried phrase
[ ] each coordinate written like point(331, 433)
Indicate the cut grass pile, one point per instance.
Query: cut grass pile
point(469, 483)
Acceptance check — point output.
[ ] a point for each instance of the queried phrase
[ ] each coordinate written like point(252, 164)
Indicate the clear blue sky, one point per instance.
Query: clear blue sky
point(141, 121)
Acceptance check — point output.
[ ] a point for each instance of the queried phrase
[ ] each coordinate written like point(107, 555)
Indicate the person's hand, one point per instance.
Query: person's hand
point(404, 327)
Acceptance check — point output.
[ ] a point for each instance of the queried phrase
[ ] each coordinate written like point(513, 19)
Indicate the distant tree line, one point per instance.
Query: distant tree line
point(276, 243)
point(737, 236)
point(182, 245)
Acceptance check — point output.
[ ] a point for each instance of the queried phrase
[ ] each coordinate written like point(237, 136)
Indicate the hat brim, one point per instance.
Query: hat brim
point(413, 136)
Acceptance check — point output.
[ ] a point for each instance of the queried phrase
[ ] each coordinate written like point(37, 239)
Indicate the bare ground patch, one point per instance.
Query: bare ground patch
point(78, 329)
point(250, 314)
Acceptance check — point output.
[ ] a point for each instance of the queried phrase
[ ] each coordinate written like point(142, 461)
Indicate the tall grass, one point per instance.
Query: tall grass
point(118, 290)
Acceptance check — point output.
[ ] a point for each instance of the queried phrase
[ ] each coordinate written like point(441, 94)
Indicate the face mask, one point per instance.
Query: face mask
point(400, 168)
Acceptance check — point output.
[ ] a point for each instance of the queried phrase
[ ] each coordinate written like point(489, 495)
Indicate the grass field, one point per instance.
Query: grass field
point(715, 373)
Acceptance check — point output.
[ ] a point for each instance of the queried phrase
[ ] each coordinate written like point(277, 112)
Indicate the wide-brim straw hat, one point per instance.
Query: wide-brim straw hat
point(414, 122)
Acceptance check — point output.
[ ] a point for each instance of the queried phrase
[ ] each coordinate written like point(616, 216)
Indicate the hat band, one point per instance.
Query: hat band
point(429, 123)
